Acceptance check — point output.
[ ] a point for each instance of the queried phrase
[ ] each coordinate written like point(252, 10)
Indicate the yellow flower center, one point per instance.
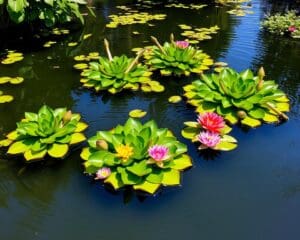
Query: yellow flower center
point(124, 152)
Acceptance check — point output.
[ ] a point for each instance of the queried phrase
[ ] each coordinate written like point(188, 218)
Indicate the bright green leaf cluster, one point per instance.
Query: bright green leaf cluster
point(238, 96)
point(48, 131)
point(49, 12)
point(283, 24)
point(118, 74)
point(124, 150)
point(173, 60)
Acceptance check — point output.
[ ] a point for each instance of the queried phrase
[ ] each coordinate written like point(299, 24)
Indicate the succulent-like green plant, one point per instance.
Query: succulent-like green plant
point(117, 73)
point(49, 131)
point(211, 132)
point(283, 24)
point(238, 96)
point(176, 58)
point(139, 155)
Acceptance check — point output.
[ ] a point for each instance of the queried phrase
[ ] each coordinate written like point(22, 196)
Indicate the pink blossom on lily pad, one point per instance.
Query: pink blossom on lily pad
point(211, 121)
point(209, 139)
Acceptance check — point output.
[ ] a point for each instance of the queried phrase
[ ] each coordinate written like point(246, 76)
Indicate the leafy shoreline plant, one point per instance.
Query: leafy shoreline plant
point(283, 24)
point(210, 131)
point(117, 73)
point(48, 12)
point(134, 154)
point(238, 96)
point(176, 58)
point(50, 131)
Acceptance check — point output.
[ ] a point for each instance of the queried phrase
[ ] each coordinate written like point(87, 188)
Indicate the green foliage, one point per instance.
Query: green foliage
point(49, 131)
point(238, 96)
point(173, 60)
point(49, 12)
point(287, 24)
point(124, 150)
point(117, 74)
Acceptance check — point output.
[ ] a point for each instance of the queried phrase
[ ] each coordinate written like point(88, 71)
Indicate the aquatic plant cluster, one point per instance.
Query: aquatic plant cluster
point(283, 24)
point(142, 155)
point(135, 154)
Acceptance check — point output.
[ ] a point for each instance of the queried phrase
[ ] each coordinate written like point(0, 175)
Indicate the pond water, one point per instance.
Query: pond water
point(250, 193)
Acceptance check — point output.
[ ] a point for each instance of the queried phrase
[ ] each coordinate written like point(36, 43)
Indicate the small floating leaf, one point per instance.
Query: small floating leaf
point(72, 44)
point(137, 113)
point(174, 99)
point(81, 66)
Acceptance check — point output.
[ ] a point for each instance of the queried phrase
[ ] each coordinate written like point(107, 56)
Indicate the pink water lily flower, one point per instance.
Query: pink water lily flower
point(158, 153)
point(182, 44)
point(211, 122)
point(103, 173)
point(209, 139)
point(292, 28)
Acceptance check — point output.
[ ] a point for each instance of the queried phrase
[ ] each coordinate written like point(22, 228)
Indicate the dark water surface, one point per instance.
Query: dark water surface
point(250, 193)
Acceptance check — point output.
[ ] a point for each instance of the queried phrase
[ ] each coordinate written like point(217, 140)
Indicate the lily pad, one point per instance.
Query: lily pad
point(137, 113)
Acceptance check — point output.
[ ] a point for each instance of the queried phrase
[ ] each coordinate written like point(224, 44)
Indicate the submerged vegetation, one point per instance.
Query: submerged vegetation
point(176, 58)
point(50, 131)
point(238, 96)
point(139, 155)
point(283, 24)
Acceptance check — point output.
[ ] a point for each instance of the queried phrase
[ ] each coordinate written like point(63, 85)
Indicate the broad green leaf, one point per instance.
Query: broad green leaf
point(147, 187)
point(171, 177)
point(31, 155)
point(182, 162)
point(86, 153)
point(19, 147)
point(174, 99)
point(137, 113)
point(251, 122)
point(114, 180)
point(5, 142)
point(77, 138)
point(140, 169)
point(58, 150)
point(81, 126)
point(190, 132)
point(225, 146)
point(6, 98)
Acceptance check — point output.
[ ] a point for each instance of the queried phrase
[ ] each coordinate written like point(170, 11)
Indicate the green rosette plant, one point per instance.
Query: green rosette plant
point(176, 58)
point(117, 73)
point(50, 131)
point(239, 96)
point(139, 155)
point(210, 131)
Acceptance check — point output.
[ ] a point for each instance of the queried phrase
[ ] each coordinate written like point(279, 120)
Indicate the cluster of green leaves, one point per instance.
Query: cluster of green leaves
point(136, 171)
point(49, 12)
point(49, 131)
point(237, 96)
point(172, 60)
point(193, 129)
point(114, 76)
point(279, 24)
